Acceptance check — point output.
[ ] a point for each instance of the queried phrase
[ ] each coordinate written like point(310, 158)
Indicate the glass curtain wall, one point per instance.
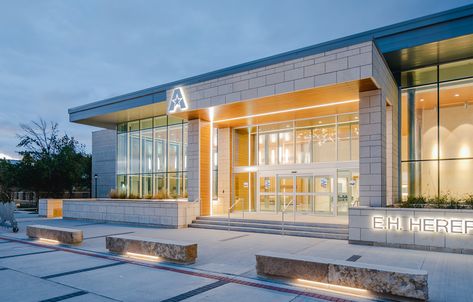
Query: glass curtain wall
point(325, 139)
point(309, 141)
point(437, 130)
point(152, 158)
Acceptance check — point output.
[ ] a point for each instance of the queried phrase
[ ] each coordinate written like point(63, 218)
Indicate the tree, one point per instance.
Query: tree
point(51, 163)
point(7, 177)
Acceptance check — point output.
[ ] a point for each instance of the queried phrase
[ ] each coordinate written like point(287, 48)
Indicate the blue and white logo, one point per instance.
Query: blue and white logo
point(177, 101)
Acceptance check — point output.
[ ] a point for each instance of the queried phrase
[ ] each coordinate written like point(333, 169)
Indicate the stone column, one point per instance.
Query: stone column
point(224, 170)
point(104, 161)
point(198, 163)
point(372, 149)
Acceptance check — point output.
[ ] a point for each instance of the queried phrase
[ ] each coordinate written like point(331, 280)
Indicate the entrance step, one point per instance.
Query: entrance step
point(302, 229)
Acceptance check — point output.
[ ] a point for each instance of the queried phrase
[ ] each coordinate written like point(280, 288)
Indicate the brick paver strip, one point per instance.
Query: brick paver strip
point(182, 271)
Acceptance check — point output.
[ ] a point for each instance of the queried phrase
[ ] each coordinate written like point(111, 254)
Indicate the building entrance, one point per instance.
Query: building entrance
point(300, 193)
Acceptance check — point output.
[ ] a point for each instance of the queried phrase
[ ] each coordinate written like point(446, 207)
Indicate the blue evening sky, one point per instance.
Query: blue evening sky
point(55, 55)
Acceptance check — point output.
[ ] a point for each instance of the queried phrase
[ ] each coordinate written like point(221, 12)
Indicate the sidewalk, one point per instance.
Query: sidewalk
point(221, 253)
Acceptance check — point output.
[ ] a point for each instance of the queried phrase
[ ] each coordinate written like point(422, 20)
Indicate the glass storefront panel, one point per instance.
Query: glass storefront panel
point(456, 70)
point(134, 186)
point(160, 188)
point(184, 185)
point(355, 141)
point(240, 147)
point(267, 184)
point(267, 203)
point(324, 144)
point(160, 137)
point(303, 146)
point(147, 188)
point(456, 177)
point(184, 142)
point(456, 119)
point(242, 189)
point(174, 148)
point(121, 184)
point(344, 142)
point(419, 123)
point(174, 185)
point(323, 184)
point(286, 148)
point(323, 204)
point(134, 152)
point(347, 190)
point(420, 179)
point(304, 203)
point(122, 153)
point(147, 151)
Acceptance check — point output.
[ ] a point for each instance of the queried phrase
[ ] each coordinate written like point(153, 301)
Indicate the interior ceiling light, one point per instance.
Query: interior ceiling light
point(421, 100)
point(457, 95)
point(287, 110)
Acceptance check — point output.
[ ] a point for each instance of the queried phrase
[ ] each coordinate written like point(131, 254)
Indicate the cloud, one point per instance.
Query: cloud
point(56, 55)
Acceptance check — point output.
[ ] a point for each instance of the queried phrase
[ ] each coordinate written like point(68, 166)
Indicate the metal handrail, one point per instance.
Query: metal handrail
point(230, 208)
point(282, 215)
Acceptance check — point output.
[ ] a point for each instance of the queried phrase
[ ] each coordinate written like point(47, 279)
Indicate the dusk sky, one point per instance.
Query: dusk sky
point(55, 55)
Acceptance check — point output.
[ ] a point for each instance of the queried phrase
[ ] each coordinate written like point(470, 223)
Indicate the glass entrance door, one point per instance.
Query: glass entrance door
point(304, 194)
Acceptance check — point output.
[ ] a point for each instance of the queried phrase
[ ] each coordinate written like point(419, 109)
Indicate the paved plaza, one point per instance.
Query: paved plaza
point(224, 270)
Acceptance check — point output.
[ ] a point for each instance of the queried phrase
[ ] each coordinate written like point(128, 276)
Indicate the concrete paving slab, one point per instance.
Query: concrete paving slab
point(89, 298)
point(233, 253)
point(16, 286)
point(235, 292)
point(134, 283)
point(44, 264)
point(13, 248)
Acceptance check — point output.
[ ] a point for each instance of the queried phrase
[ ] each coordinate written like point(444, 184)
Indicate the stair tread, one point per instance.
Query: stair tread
point(273, 226)
point(271, 222)
point(274, 231)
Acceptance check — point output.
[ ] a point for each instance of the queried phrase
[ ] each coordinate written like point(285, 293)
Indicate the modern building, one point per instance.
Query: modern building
point(366, 120)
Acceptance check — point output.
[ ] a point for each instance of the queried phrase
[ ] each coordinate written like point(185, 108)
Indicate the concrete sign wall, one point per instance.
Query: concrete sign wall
point(426, 229)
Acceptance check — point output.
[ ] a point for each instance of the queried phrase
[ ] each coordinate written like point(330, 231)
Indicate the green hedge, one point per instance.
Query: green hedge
point(441, 202)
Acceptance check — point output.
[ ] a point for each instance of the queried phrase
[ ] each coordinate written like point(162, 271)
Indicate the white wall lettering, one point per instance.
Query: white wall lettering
point(425, 224)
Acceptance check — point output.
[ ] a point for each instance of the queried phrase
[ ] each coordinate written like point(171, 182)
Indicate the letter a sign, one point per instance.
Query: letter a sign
point(177, 101)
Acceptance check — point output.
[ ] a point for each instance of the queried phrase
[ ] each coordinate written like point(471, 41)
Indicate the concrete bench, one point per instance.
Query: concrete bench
point(171, 250)
point(379, 279)
point(63, 235)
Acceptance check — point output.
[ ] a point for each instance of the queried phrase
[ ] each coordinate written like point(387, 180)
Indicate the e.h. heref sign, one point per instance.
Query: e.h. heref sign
point(436, 225)
point(446, 230)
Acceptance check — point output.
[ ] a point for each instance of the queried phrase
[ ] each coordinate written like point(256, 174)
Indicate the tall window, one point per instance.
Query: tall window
point(437, 130)
point(151, 158)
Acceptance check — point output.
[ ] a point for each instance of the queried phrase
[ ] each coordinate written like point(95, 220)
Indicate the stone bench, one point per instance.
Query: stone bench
point(379, 279)
point(171, 250)
point(63, 235)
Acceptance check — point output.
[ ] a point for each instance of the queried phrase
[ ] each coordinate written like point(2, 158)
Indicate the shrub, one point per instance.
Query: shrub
point(113, 194)
point(133, 196)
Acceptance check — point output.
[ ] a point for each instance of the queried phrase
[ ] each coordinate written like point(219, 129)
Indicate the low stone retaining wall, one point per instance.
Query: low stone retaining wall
point(375, 278)
point(171, 250)
point(63, 235)
point(170, 214)
point(425, 229)
point(50, 208)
